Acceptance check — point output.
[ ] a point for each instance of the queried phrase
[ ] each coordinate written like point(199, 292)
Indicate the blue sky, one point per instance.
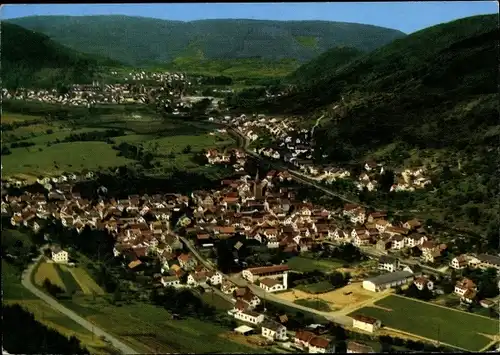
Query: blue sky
point(404, 16)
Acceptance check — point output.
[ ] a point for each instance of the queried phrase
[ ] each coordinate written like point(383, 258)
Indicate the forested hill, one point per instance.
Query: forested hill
point(428, 99)
point(33, 59)
point(138, 40)
point(324, 64)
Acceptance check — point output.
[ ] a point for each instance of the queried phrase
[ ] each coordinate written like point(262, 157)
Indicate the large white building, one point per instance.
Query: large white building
point(274, 272)
point(385, 281)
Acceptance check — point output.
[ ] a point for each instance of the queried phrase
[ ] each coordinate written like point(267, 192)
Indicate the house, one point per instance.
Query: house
point(461, 287)
point(469, 297)
point(273, 330)
point(459, 262)
point(228, 287)
point(380, 215)
point(385, 281)
point(358, 348)
point(172, 281)
point(384, 243)
point(271, 285)
point(397, 242)
point(215, 278)
point(431, 252)
point(187, 261)
point(273, 271)
point(368, 324)
point(388, 263)
point(413, 224)
point(302, 338)
point(423, 282)
point(415, 239)
point(58, 255)
point(320, 345)
point(249, 316)
point(487, 261)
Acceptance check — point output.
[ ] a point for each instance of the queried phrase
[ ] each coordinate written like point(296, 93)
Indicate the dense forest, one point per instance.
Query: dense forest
point(31, 59)
point(22, 334)
point(122, 37)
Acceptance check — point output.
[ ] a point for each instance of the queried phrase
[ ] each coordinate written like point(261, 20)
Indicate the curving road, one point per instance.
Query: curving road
point(336, 318)
point(26, 282)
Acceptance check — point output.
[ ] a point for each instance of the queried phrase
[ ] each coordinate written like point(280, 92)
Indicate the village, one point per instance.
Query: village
point(293, 145)
point(263, 209)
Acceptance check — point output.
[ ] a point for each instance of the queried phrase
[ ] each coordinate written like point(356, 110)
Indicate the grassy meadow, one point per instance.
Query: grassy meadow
point(48, 154)
point(457, 328)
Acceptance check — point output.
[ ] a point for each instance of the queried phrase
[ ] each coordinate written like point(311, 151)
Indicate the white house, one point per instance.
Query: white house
point(271, 285)
point(302, 338)
point(59, 255)
point(368, 324)
point(273, 330)
point(459, 262)
point(170, 281)
point(423, 282)
point(320, 345)
point(249, 316)
point(387, 263)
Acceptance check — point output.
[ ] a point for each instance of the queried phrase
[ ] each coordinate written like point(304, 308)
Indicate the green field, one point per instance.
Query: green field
point(165, 139)
point(70, 284)
point(319, 305)
point(217, 301)
point(85, 282)
point(454, 327)
point(317, 287)
point(150, 329)
point(305, 264)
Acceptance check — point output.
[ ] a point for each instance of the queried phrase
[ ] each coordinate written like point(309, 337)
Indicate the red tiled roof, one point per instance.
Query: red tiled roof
point(268, 269)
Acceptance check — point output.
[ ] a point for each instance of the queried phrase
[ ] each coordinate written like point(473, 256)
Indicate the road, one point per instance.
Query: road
point(239, 281)
point(26, 282)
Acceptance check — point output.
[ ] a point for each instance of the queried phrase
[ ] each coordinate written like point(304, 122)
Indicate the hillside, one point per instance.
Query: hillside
point(140, 41)
point(325, 63)
point(428, 99)
point(33, 59)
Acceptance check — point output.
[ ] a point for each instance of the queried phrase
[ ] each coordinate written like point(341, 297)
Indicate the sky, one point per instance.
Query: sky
point(404, 16)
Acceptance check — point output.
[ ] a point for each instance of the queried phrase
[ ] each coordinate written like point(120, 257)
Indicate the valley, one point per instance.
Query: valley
point(289, 191)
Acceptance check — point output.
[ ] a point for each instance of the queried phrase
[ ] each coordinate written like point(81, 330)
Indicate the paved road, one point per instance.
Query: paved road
point(340, 319)
point(26, 282)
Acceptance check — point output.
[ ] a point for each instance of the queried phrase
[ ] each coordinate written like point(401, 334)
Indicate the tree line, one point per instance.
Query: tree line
point(22, 334)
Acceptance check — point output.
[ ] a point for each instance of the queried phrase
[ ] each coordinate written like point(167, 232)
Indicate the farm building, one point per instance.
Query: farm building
point(385, 281)
point(244, 330)
point(368, 324)
point(487, 261)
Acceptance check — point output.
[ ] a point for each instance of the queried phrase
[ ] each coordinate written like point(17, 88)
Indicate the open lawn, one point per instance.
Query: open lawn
point(8, 117)
point(424, 319)
point(150, 329)
point(63, 157)
point(86, 283)
point(305, 264)
point(317, 287)
point(217, 301)
point(317, 304)
point(11, 283)
point(48, 271)
point(70, 285)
